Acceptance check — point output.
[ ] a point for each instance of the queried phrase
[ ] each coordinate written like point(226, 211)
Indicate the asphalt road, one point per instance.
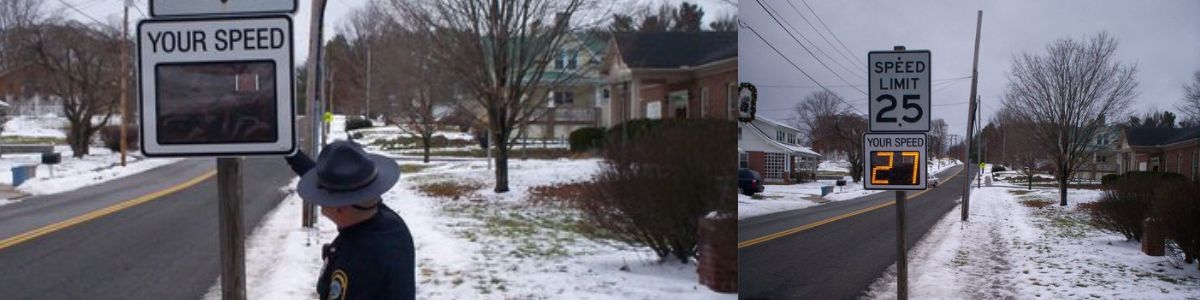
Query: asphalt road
point(164, 248)
point(835, 250)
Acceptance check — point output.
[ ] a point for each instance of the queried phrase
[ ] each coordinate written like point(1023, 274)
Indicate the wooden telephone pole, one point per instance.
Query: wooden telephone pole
point(966, 198)
point(124, 83)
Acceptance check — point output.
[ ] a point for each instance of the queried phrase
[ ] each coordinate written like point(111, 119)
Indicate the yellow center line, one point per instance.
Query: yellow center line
point(32, 234)
point(808, 226)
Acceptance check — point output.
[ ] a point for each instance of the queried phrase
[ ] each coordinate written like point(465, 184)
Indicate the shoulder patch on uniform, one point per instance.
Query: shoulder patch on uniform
point(338, 284)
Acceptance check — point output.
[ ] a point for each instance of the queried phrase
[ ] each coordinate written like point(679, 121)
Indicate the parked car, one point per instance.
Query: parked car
point(933, 181)
point(750, 182)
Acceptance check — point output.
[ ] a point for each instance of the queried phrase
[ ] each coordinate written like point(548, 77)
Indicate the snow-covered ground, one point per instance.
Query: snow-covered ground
point(47, 126)
point(72, 173)
point(776, 198)
point(100, 166)
point(484, 247)
point(1011, 250)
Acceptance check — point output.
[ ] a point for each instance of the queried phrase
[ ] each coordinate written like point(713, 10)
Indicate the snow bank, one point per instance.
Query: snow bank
point(1010, 250)
point(47, 126)
point(73, 173)
point(465, 249)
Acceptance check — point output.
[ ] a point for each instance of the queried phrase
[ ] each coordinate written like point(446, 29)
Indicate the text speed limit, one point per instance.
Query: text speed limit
point(899, 90)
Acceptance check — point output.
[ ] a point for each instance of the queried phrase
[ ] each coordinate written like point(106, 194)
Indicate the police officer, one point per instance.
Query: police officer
point(372, 256)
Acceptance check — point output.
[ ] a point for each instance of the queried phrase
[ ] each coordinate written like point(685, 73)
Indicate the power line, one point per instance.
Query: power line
point(853, 71)
point(772, 15)
point(81, 12)
point(810, 24)
point(789, 86)
point(835, 37)
point(760, 37)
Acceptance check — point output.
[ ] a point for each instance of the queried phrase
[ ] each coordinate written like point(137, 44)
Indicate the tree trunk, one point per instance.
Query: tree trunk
point(1030, 181)
point(1062, 191)
point(501, 165)
point(425, 139)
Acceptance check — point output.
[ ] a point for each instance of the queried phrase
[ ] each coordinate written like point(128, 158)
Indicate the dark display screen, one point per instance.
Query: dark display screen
point(216, 103)
point(894, 167)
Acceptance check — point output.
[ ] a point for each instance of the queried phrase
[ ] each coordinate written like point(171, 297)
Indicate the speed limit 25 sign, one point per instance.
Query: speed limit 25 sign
point(899, 90)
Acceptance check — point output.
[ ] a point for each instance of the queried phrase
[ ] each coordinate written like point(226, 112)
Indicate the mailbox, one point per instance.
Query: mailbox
point(51, 158)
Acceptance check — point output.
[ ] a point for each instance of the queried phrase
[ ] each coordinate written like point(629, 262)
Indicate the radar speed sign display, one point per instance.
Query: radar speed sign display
point(895, 161)
point(216, 87)
point(899, 90)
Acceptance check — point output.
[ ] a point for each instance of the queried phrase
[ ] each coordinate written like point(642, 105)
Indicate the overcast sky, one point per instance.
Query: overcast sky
point(337, 12)
point(1161, 37)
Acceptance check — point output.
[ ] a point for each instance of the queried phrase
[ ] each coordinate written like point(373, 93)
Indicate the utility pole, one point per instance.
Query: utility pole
point(313, 86)
point(966, 198)
point(124, 83)
point(369, 77)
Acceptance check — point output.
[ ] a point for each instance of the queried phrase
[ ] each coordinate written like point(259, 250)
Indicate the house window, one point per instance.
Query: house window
point(1101, 158)
point(730, 100)
point(773, 165)
point(1196, 165)
point(703, 102)
point(743, 159)
point(560, 98)
point(780, 136)
point(679, 104)
point(791, 138)
point(567, 60)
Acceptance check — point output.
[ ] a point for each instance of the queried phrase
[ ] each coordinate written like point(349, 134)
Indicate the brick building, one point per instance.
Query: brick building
point(1175, 150)
point(671, 75)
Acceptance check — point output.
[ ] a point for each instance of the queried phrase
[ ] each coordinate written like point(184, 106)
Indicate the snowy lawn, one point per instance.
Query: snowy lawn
point(784, 197)
point(480, 245)
point(1020, 244)
point(73, 173)
point(47, 126)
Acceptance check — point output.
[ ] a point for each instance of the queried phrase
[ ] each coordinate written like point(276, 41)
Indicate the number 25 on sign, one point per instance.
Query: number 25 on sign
point(899, 90)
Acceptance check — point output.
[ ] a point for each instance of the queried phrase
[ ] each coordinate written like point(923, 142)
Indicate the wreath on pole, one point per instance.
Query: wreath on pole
point(747, 106)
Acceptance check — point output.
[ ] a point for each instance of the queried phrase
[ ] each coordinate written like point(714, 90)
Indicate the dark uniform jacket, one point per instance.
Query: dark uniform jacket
point(373, 259)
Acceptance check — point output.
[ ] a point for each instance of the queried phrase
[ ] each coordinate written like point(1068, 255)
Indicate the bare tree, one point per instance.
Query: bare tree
point(1190, 104)
point(498, 50)
point(80, 61)
point(938, 130)
point(1022, 151)
point(812, 113)
point(846, 131)
point(726, 23)
point(1066, 94)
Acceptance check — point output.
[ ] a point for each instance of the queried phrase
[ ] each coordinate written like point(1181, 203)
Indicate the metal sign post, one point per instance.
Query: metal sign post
point(218, 87)
point(900, 97)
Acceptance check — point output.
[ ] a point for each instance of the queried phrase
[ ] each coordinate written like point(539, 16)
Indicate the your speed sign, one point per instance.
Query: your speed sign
point(899, 90)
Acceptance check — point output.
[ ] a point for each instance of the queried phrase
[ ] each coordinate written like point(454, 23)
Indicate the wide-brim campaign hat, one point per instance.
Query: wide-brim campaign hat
point(345, 175)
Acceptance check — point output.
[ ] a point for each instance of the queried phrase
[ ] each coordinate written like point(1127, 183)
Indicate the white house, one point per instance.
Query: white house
point(772, 149)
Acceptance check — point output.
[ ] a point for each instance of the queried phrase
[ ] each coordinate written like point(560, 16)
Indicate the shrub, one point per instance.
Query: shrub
point(1178, 211)
point(111, 136)
point(655, 186)
point(358, 123)
point(586, 138)
point(1148, 176)
point(1126, 202)
point(633, 128)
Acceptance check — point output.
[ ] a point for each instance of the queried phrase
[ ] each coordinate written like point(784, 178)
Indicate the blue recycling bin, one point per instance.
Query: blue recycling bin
point(22, 173)
point(825, 190)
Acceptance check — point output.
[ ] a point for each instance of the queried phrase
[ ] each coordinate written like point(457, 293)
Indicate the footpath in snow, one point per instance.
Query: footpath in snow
point(1019, 244)
point(481, 246)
